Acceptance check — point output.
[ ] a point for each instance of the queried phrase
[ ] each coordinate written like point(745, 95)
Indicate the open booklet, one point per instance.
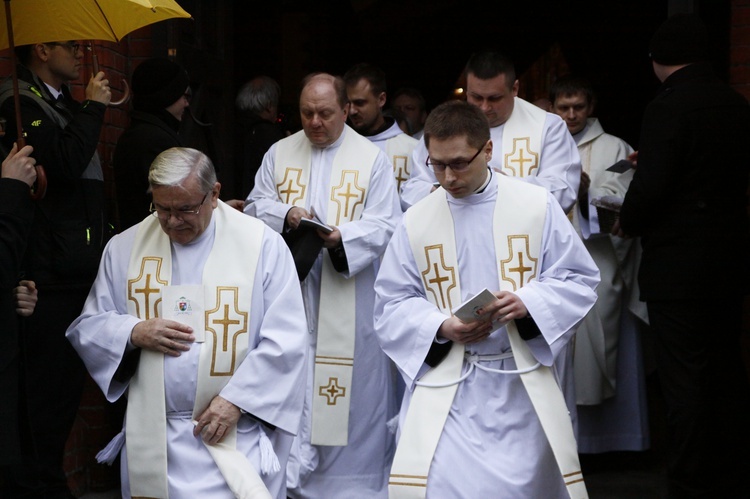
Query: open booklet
point(467, 311)
point(314, 223)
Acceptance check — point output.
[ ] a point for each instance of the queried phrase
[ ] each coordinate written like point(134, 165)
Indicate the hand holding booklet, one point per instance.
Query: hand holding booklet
point(314, 223)
point(467, 311)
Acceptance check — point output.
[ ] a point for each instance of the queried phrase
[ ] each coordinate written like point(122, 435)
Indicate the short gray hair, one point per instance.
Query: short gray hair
point(173, 166)
point(258, 94)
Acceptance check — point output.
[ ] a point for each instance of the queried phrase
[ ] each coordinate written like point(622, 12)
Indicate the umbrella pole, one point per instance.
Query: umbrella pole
point(41, 177)
point(21, 141)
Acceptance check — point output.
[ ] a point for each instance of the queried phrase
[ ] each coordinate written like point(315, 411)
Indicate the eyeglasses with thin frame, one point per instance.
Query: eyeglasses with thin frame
point(182, 215)
point(457, 166)
point(73, 46)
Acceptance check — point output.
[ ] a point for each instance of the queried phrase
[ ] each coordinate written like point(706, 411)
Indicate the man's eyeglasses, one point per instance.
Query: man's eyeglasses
point(457, 166)
point(72, 46)
point(182, 215)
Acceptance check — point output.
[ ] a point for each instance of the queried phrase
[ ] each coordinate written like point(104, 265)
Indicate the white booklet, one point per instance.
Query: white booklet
point(467, 311)
point(186, 304)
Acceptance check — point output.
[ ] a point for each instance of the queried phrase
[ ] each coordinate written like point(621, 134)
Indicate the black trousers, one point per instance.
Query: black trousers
point(53, 377)
point(706, 393)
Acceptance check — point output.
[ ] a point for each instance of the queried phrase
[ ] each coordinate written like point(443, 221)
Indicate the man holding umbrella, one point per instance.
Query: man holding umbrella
point(65, 244)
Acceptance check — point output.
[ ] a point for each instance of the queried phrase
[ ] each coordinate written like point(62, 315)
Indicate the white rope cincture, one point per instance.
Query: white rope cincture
point(473, 360)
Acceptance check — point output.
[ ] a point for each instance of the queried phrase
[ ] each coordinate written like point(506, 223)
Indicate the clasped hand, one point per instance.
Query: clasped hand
point(506, 307)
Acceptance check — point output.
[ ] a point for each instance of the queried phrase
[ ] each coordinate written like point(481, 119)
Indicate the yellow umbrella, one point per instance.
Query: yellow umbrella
point(39, 21)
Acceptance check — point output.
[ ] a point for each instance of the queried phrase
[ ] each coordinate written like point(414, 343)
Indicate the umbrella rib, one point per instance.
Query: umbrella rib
point(114, 35)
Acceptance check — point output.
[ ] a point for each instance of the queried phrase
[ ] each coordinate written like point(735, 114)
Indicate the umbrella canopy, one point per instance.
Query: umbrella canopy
point(37, 21)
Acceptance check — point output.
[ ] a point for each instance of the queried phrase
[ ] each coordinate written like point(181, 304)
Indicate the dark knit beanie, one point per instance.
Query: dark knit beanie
point(157, 84)
point(681, 39)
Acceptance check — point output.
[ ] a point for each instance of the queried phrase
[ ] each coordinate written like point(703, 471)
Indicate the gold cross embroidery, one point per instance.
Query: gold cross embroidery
point(521, 145)
point(401, 170)
point(150, 268)
point(433, 276)
point(232, 323)
point(286, 188)
point(348, 189)
point(332, 391)
point(518, 246)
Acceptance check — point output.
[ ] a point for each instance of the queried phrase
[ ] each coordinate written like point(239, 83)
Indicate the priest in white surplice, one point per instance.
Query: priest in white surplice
point(196, 316)
point(366, 89)
point(608, 362)
point(480, 432)
point(329, 171)
point(529, 143)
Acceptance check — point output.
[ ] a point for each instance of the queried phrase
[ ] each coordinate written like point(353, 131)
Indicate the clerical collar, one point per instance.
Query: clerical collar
point(486, 182)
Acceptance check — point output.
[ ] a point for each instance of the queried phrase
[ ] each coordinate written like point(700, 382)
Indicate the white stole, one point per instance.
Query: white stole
point(228, 297)
point(517, 236)
point(522, 139)
point(334, 354)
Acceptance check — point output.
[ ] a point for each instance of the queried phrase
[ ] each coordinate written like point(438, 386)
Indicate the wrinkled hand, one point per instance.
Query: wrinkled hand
point(98, 89)
point(162, 335)
point(237, 204)
point(294, 215)
point(20, 165)
point(213, 423)
point(25, 296)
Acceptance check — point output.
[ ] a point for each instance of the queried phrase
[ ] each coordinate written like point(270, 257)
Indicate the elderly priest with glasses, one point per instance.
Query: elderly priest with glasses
point(483, 415)
point(197, 313)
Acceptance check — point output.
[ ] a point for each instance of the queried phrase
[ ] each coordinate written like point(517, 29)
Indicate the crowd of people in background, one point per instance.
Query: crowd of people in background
point(394, 301)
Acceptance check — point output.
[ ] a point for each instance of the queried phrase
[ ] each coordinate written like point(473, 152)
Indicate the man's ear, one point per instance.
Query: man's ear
point(381, 100)
point(41, 51)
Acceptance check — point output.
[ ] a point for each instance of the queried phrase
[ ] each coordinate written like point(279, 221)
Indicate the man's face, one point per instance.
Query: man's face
point(409, 107)
point(322, 116)
point(64, 60)
point(494, 97)
point(177, 109)
point(456, 150)
point(178, 204)
point(574, 110)
point(365, 108)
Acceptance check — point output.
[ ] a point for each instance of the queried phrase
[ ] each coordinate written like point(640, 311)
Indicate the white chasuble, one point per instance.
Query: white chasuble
point(522, 140)
point(334, 354)
point(227, 298)
point(517, 238)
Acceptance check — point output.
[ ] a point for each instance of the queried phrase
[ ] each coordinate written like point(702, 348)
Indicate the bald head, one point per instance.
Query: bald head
point(323, 108)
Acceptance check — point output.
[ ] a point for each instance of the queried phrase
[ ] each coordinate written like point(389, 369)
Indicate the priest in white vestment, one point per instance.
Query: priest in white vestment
point(491, 442)
point(366, 89)
point(329, 172)
point(529, 143)
point(196, 316)
point(608, 361)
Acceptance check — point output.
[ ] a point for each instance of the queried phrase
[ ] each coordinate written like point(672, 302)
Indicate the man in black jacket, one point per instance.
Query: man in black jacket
point(64, 247)
point(161, 93)
point(16, 215)
point(688, 203)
